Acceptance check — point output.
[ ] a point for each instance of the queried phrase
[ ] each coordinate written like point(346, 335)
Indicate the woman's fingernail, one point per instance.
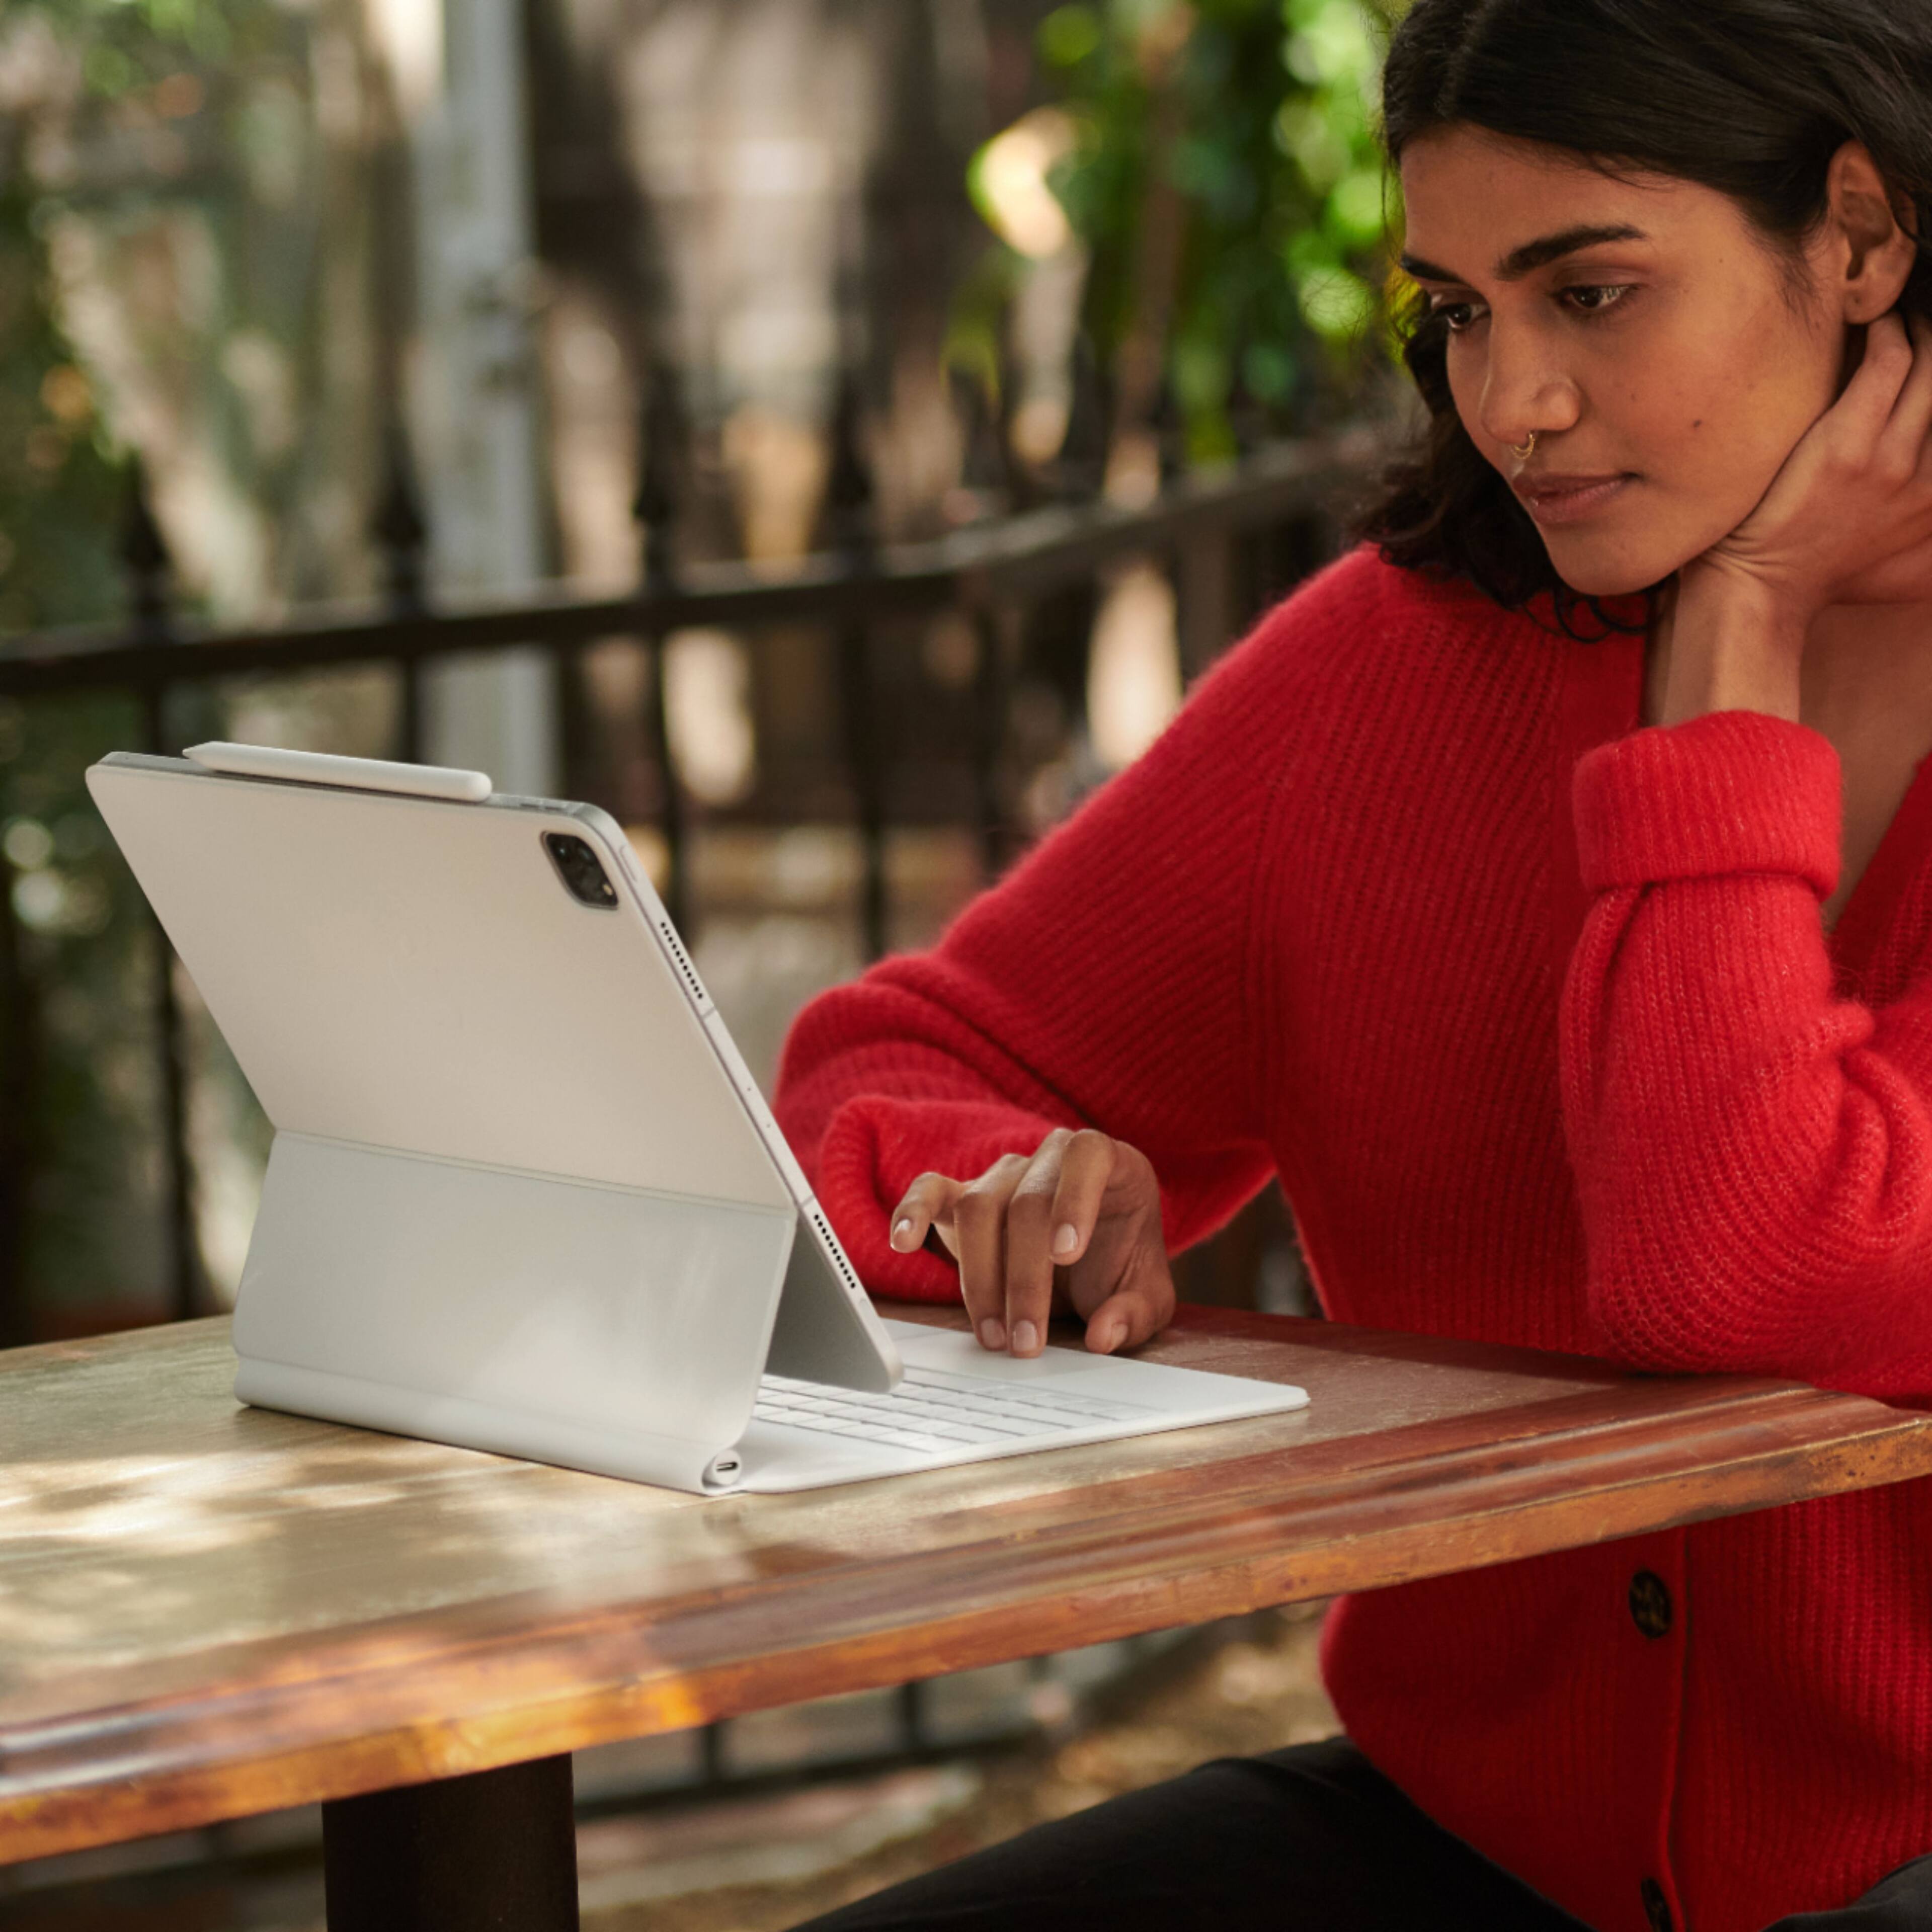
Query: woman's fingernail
point(1105, 1336)
point(1066, 1238)
point(901, 1232)
point(992, 1334)
point(1026, 1338)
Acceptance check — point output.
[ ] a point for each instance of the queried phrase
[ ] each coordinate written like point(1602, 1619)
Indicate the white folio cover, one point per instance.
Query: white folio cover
point(508, 1312)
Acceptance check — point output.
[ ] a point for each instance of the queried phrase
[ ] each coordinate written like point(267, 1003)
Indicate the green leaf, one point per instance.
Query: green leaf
point(1070, 35)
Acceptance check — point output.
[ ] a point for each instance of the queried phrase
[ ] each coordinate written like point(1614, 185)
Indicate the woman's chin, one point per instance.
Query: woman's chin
point(1596, 567)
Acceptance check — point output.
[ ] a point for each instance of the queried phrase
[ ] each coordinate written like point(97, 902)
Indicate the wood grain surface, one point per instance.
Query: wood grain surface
point(207, 1611)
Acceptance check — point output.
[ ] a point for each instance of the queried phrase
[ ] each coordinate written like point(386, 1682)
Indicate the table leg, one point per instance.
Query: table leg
point(493, 1852)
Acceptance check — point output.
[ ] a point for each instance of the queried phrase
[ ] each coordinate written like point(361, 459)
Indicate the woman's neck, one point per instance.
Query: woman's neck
point(1868, 669)
point(1865, 664)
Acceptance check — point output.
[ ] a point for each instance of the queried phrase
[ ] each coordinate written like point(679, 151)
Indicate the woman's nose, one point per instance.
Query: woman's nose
point(1524, 390)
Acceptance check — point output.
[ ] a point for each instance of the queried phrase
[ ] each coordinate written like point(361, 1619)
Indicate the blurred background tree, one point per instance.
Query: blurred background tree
point(57, 482)
point(121, 116)
point(1216, 165)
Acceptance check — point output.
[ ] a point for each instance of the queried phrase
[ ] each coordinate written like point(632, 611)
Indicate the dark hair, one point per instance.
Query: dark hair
point(1751, 98)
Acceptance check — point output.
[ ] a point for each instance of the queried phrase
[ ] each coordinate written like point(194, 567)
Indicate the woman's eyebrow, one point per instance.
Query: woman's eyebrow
point(1534, 255)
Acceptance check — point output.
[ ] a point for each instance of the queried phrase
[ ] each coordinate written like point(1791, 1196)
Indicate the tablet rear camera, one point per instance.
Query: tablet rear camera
point(581, 870)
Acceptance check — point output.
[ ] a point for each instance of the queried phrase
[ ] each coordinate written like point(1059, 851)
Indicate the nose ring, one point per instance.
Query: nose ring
point(1523, 452)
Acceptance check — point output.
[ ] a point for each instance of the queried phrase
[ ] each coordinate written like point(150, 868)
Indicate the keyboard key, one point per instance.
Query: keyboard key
point(961, 1431)
point(906, 1438)
point(1023, 1425)
point(956, 1411)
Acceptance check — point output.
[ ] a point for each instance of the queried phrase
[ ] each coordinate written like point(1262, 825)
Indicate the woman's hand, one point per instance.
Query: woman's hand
point(1848, 520)
point(1077, 1225)
point(1849, 517)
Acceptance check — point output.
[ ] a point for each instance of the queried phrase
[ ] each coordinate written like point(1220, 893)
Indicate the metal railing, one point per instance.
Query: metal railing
point(1234, 539)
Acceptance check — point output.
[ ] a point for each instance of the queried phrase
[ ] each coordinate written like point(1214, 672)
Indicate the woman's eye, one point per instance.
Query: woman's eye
point(1594, 298)
point(1456, 317)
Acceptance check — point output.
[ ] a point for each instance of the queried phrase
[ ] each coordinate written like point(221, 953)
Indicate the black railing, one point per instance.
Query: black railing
point(1233, 540)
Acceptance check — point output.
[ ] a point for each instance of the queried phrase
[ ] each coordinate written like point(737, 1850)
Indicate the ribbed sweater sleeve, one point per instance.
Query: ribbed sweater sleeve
point(1105, 982)
point(1753, 1151)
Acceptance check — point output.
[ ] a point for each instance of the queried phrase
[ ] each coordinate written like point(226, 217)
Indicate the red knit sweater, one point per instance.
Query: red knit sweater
point(1324, 927)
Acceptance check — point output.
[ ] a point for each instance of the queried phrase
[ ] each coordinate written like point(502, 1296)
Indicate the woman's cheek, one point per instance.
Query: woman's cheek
point(1466, 391)
point(1726, 467)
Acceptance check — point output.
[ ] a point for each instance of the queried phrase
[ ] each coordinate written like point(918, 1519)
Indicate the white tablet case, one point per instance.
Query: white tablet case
point(523, 1195)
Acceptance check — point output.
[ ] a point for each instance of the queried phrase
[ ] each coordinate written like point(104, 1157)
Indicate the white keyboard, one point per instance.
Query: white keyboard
point(932, 1411)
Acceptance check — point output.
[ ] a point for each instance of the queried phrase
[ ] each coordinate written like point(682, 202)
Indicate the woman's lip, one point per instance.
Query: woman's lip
point(1567, 499)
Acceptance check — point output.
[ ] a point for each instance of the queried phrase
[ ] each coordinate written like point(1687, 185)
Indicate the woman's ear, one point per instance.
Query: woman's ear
point(1875, 244)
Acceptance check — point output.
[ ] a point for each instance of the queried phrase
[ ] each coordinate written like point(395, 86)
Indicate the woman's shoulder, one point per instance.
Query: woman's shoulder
point(1363, 624)
point(1362, 597)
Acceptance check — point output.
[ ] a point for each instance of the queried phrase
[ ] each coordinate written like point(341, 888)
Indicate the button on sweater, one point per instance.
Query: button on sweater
point(1534, 1014)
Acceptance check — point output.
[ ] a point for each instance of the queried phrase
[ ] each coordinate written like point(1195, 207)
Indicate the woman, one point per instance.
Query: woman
point(1546, 894)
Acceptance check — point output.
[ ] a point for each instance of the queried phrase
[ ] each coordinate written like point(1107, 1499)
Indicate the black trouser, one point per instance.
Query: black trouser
point(1313, 1839)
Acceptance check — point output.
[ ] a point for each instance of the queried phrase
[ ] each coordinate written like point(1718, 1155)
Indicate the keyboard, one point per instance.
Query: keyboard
point(932, 1411)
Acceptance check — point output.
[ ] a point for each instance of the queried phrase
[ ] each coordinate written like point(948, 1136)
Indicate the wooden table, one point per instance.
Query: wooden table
point(207, 1611)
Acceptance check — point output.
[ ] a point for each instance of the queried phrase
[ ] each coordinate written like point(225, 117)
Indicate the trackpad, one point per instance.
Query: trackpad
point(951, 1351)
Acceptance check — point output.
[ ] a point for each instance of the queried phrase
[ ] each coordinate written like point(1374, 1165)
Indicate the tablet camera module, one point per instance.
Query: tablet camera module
point(580, 869)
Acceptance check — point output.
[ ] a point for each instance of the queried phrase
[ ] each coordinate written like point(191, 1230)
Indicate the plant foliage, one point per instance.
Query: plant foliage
point(1258, 114)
